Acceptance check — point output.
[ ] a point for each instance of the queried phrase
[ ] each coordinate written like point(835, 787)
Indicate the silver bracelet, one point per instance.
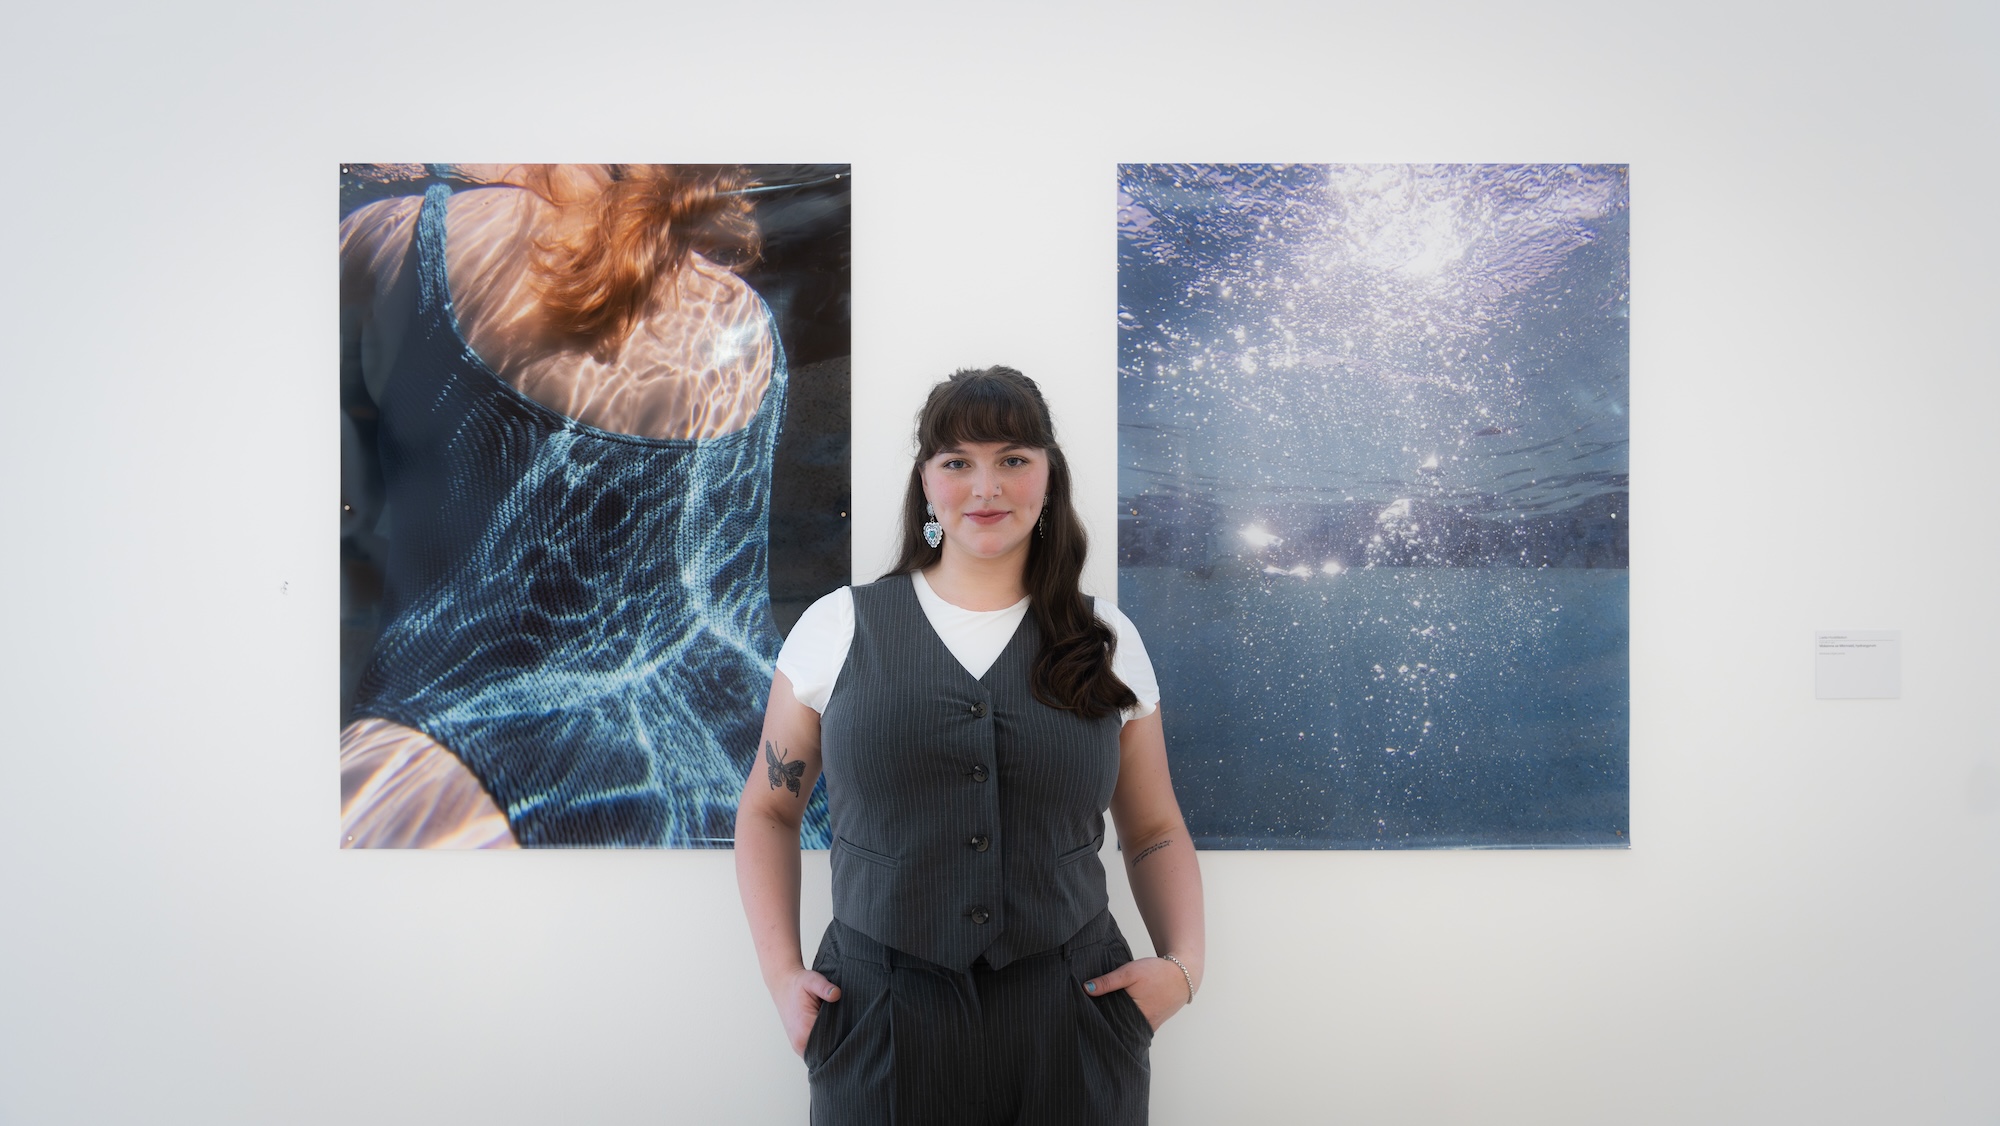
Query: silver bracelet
point(1184, 973)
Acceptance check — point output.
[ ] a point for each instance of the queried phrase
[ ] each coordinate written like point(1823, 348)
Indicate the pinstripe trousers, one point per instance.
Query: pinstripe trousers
point(912, 1043)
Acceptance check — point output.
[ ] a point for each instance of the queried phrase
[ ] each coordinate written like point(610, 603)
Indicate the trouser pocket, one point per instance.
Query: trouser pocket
point(850, 1035)
point(1114, 1013)
point(826, 962)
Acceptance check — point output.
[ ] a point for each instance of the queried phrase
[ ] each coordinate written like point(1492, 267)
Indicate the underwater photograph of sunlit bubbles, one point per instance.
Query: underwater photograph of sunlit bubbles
point(1373, 519)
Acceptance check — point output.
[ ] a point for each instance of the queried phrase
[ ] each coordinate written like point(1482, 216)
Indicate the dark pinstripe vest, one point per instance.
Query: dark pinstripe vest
point(966, 816)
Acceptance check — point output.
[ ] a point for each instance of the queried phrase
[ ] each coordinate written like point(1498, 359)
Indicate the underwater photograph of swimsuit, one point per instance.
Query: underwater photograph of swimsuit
point(567, 567)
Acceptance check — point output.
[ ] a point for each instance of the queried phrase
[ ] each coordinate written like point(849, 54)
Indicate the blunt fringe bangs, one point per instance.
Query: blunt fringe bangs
point(996, 404)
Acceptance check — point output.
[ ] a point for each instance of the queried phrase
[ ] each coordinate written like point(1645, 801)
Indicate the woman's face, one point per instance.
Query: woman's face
point(988, 495)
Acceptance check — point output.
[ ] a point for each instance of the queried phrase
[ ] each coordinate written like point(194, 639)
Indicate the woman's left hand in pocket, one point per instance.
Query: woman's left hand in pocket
point(1155, 984)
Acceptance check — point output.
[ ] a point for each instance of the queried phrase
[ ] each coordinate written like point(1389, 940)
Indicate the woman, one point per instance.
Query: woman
point(561, 407)
point(974, 718)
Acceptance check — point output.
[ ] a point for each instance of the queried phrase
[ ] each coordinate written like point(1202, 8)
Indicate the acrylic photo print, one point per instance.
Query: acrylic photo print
point(594, 464)
point(1373, 498)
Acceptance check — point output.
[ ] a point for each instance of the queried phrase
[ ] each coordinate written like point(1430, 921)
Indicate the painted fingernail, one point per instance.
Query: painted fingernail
point(1090, 987)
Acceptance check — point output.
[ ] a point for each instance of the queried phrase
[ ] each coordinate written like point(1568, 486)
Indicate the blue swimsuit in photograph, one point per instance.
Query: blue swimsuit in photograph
point(582, 617)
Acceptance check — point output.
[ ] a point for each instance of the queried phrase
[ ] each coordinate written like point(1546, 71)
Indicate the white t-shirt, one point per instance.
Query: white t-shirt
point(817, 648)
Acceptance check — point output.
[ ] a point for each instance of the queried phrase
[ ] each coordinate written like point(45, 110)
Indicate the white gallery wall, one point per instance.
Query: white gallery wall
point(1806, 929)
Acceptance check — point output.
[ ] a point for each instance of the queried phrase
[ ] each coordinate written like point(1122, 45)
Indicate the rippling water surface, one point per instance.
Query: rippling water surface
point(1373, 486)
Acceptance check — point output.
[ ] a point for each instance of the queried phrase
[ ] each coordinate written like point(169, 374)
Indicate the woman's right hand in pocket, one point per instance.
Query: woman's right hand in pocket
point(799, 1004)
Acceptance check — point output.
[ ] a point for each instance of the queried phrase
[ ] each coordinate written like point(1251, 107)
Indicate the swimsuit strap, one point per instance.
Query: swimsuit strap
point(771, 408)
point(433, 291)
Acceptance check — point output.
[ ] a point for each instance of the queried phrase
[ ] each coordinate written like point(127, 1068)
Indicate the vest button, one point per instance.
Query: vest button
point(980, 915)
point(978, 709)
point(979, 772)
point(980, 842)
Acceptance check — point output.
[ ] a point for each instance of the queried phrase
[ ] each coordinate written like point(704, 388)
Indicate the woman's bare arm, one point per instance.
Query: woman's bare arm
point(1165, 876)
point(767, 857)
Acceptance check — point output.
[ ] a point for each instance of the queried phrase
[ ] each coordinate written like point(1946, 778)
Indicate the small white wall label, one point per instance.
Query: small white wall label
point(1859, 664)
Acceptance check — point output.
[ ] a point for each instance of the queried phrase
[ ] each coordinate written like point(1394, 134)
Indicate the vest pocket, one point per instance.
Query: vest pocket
point(869, 855)
point(1081, 851)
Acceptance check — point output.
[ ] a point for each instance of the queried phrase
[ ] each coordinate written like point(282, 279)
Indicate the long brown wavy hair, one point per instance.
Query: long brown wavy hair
point(998, 404)
point(595, 274)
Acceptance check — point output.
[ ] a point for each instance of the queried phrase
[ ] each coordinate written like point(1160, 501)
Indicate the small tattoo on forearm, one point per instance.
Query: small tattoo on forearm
point(1148, 851)
point(783, 773)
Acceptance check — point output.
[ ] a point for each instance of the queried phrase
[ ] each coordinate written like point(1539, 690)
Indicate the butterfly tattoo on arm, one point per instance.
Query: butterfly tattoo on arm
point(786, 774)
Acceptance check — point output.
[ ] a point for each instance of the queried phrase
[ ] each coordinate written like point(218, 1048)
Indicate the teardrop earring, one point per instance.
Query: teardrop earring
point(933, 531)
